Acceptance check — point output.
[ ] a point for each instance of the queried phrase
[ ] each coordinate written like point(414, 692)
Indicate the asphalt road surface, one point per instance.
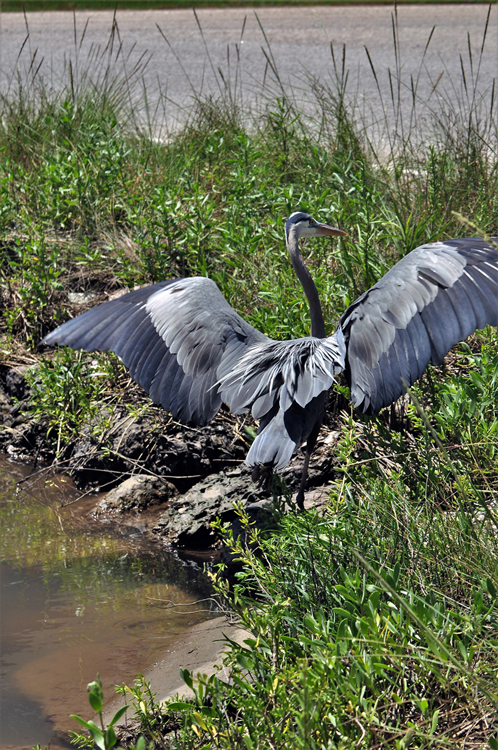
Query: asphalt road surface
point(160, 59)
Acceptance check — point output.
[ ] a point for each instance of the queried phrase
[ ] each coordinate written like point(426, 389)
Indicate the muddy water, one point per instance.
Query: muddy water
point(76, 601)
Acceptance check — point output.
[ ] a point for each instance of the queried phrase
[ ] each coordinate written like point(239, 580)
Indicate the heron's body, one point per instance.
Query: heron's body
point(186, 346)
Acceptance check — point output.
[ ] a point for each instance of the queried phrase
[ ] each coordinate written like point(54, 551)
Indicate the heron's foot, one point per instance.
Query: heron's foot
point(263, 476)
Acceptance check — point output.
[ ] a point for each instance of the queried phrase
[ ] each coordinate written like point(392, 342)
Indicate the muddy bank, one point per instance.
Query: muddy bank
point(166, 480)
point(200, 649)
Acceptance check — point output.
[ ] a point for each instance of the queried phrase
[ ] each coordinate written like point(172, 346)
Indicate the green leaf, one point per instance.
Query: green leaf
point(98, 738)
point(200, 721)
point(179, 706)
point(493, 743)
point(244, 662)
point(96, 695)
point(462, 649)
point(110, 738)
point(311, 623)
point(187, 678)
point(423, 704)
point(435, 718)
point(119, 713)
point(342, 612)
point(243, 684)
point(87, 724)
point(97, 734)
point(95, 702)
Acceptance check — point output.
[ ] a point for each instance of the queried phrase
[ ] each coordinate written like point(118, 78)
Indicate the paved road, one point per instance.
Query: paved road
point(297, 39)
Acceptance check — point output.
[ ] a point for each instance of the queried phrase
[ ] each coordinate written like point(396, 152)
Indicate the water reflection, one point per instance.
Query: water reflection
point(75, 602)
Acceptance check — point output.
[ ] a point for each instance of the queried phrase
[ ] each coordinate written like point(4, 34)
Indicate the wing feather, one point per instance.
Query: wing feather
point(173, 336)
point(150, 364)
point(434, 297)
point(464, 309)
point(161, 385)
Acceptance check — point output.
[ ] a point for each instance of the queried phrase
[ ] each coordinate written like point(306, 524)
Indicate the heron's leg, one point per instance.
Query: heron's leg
point(310, 446)
point(263, 476)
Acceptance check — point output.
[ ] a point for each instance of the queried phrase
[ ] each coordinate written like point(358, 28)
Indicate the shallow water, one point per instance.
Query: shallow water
point(75, 601)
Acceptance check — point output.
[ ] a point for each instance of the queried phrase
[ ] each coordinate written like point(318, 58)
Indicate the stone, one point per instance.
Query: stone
point(188, 518)
point(15, 382)
point(136, 494)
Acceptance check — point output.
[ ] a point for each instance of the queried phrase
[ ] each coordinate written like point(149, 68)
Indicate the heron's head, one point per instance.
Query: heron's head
point(305, 225)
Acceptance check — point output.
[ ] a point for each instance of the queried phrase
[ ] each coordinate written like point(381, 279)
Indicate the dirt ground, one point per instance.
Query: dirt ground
point(166, 480)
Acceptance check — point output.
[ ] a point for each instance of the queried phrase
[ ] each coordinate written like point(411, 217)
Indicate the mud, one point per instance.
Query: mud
point(166, 480)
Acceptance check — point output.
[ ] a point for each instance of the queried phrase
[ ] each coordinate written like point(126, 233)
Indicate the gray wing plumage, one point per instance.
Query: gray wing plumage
point(173, 336)
point(186, 346)
point(436, 296)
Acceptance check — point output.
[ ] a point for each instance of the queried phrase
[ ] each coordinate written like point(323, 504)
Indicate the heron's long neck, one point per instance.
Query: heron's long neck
point(310, 290)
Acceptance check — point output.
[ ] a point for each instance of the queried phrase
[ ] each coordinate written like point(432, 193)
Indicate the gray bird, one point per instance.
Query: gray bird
point(185, 345)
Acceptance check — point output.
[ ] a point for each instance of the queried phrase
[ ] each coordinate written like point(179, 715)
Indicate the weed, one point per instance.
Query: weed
point(33, 277)
point(68, 391)
point(375, 623)
point(151, 718)
point(101, 737)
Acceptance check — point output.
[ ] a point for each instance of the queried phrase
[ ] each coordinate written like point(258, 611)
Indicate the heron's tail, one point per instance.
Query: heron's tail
point(281, 432)
point(273, 444)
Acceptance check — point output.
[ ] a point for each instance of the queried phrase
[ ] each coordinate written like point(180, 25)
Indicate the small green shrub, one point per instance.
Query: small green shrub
point(68, 391)
point(356, 638)
point(33, 274)
point(101, 737)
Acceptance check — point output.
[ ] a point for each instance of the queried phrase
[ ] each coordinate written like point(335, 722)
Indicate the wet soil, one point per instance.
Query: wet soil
point(166, 480)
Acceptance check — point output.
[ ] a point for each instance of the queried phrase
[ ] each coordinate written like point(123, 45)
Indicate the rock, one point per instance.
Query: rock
point(5, 403)
point(187, 520)
point(137, 493)
point(116, 442)
point(15, 383)
point(81, 298)
point(131, 440)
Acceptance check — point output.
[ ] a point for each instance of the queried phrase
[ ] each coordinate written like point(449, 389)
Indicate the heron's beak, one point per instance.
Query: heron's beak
point(324, 229)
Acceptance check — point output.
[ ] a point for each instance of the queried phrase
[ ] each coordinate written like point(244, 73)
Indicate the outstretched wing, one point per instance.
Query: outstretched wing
point(186, 346)
point(173, 337)
point(434, 297)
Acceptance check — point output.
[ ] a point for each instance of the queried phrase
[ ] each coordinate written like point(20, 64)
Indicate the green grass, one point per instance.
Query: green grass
point(375, 625)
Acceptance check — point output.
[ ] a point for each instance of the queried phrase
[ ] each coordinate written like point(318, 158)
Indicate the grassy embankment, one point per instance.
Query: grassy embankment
point(377, 624)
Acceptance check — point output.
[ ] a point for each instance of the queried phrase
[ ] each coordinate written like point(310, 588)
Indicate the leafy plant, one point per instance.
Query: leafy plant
point(33, 277)
point(67, 391)
point(147, 710)
point(101, 737)
point(349, 643)
point(104, 738)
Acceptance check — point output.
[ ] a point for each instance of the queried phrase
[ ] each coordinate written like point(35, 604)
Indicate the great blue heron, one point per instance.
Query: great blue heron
point(185, 345)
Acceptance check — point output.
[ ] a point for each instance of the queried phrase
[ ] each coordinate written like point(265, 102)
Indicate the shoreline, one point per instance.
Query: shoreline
point(199, 649)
